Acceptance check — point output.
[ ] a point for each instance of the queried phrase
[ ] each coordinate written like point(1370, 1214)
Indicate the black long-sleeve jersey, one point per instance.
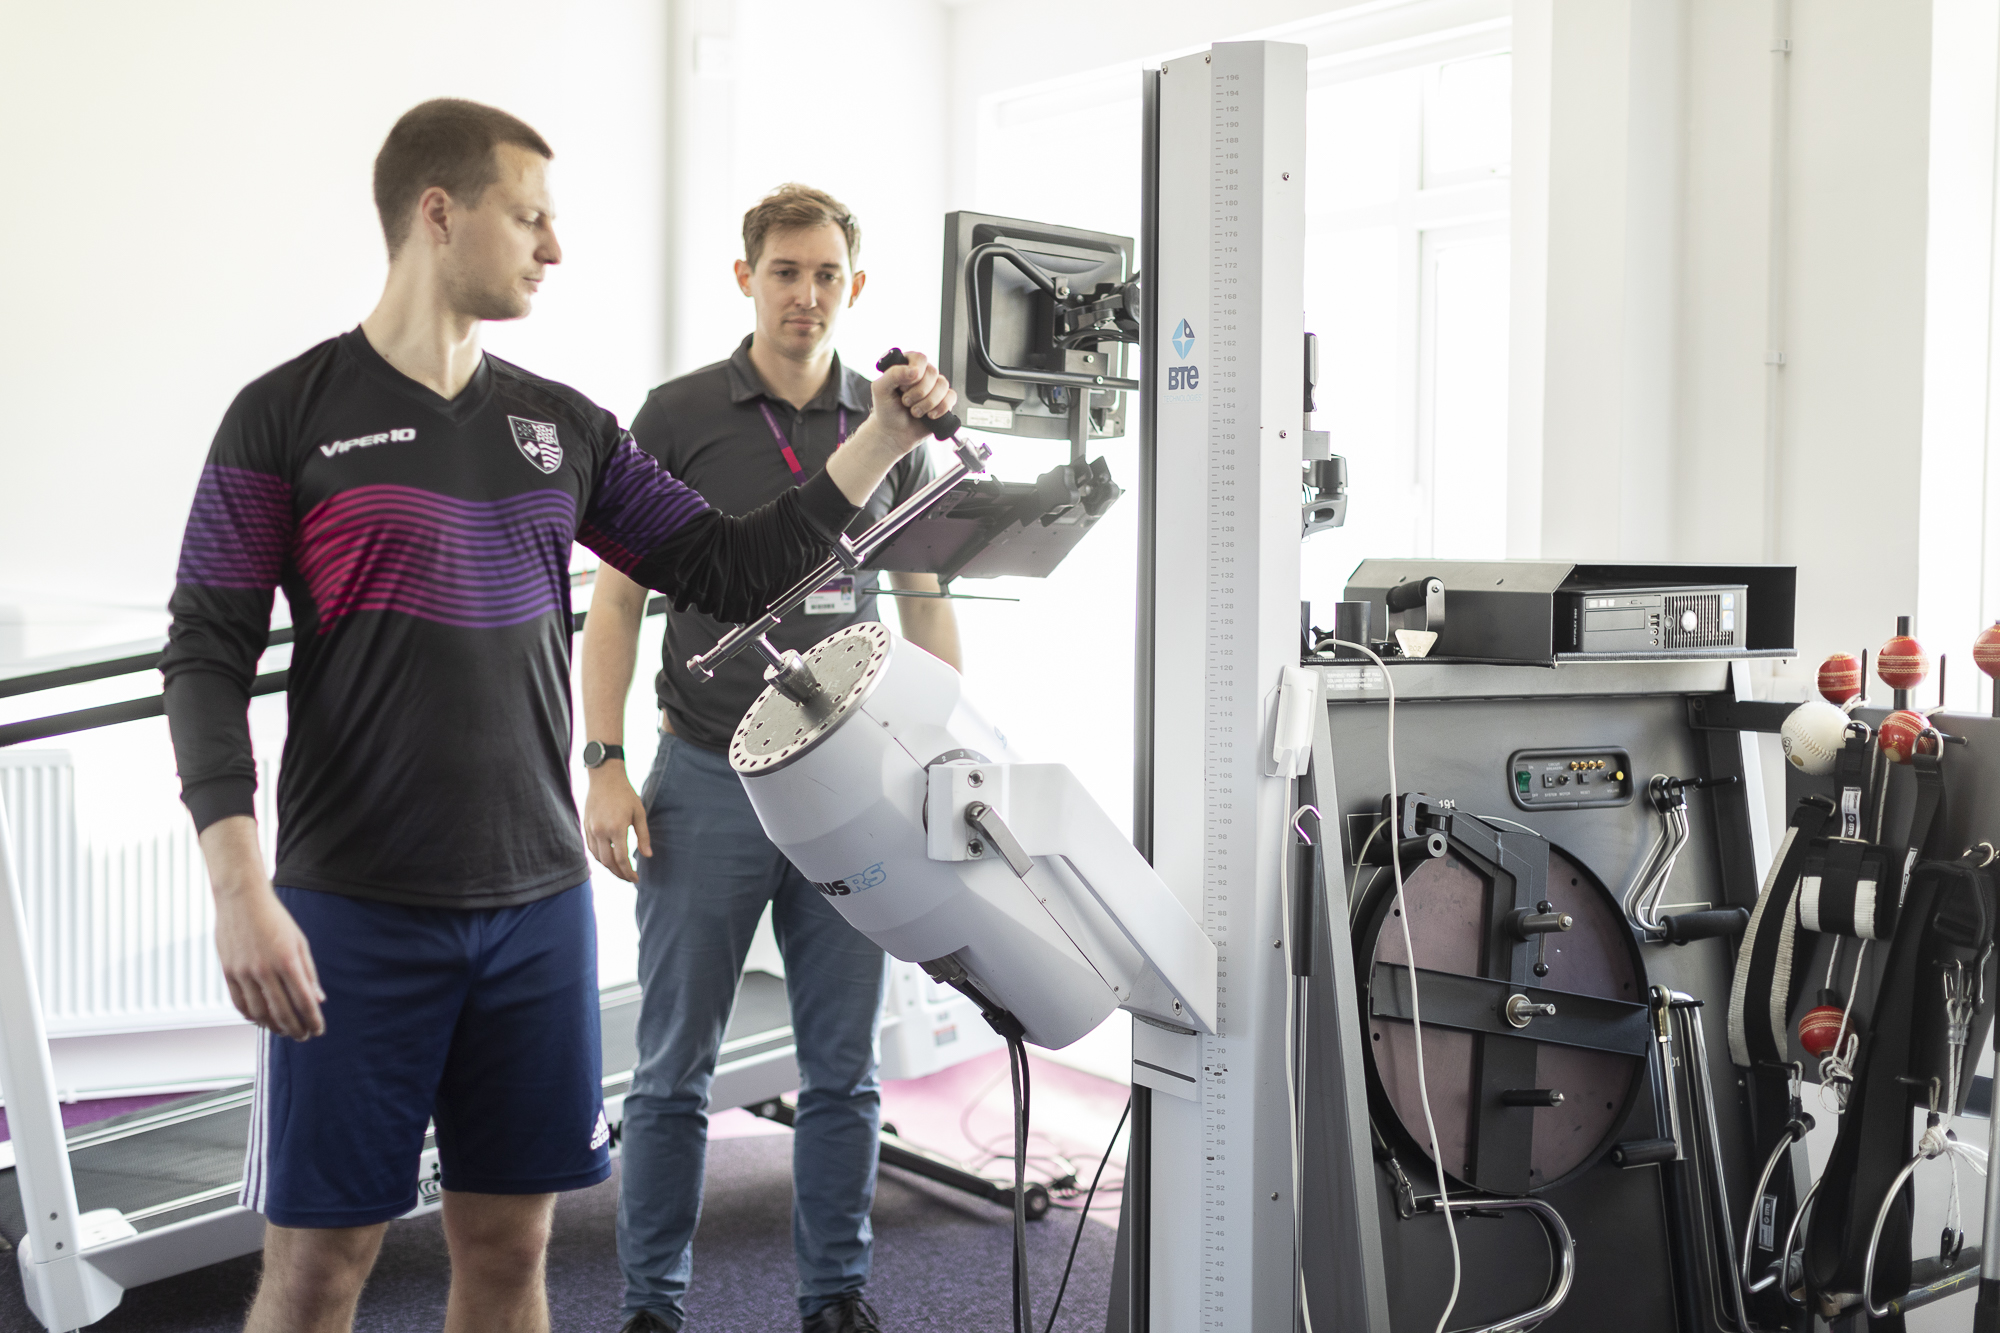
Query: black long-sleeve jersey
point(423, 546)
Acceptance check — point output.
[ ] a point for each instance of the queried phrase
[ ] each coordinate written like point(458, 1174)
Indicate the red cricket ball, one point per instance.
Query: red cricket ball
point(1819, 1029)
point(1898, 735)
point(1902, 664)
point(1840, 677)
point(1986, 649)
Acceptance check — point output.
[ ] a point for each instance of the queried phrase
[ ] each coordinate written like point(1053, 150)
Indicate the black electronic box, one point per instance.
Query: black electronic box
point(1652, 620)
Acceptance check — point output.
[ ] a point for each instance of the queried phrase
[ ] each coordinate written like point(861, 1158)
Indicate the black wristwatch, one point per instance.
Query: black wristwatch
point(596, 752)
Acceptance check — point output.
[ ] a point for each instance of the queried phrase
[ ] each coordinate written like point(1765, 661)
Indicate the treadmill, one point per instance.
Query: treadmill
point(153, 1193)
point(94, 1210)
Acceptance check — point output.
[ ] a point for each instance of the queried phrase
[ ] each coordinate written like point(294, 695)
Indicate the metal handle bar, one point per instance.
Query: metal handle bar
point(849, 555)
point(1875, 1238)
point(1562, 1248)
point(1701, 1093)
point(1064, 379)
point(1791, 1237)
point(1795, 1130)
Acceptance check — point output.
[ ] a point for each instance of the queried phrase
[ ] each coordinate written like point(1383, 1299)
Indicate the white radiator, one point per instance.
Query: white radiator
point(122, 936)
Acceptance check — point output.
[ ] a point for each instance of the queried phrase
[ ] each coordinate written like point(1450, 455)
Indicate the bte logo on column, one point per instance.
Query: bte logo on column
point(1183, 379)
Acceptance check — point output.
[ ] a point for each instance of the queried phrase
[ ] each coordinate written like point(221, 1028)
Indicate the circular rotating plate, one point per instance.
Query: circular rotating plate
point(1449, 899)
point(778, 729)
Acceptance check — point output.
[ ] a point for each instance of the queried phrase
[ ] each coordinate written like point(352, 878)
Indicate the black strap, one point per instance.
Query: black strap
point(1928, 817)
point(1945, 920)
point(1770, 971)
point(1848, 888)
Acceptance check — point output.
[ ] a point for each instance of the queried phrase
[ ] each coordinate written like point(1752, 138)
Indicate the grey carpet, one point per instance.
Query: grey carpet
point(941, 1262)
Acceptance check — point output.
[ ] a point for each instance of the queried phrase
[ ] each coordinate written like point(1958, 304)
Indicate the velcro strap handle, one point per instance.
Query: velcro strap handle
point(1845, 888)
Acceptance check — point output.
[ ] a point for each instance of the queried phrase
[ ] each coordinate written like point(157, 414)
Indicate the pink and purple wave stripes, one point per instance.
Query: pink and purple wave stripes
point(238, 529)
point(638, 505)
point(473, 564)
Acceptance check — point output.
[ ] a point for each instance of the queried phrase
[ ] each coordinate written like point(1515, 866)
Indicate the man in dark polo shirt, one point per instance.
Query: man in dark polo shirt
point(742, 432)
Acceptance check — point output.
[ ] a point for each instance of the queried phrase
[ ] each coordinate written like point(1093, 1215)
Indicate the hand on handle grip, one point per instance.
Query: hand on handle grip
point(943, 427)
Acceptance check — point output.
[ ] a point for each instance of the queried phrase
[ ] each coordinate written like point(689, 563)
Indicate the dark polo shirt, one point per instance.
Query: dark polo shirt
point(709, 429)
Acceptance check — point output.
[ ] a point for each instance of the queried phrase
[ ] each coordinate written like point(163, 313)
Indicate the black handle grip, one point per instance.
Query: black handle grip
point(945, 426)
point(1643, 1152)
point(1409, 595)
point(1725, 923)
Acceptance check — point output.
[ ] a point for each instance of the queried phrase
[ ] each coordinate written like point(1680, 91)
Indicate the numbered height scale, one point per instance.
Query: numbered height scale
point(1229, 730)
point(1230, 268)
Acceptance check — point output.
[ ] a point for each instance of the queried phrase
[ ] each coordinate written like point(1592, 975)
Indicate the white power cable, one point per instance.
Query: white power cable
point(1416, 1009)
point(1360, 860)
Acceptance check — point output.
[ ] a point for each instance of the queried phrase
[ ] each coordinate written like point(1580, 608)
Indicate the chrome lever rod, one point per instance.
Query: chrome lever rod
point(848, 556)
point(1562, 1250)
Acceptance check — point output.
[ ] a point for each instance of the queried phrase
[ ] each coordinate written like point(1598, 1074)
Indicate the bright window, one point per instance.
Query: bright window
point(1408, 138)
point(1406, 286)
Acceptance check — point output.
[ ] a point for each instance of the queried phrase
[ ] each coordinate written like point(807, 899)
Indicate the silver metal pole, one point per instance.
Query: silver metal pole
point(971, 461)
point(1986, 1315)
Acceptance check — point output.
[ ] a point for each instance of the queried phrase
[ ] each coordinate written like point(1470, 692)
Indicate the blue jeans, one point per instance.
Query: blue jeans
point(700, 896)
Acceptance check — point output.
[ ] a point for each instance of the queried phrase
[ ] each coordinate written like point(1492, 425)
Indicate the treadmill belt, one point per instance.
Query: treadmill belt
point(162, 1155)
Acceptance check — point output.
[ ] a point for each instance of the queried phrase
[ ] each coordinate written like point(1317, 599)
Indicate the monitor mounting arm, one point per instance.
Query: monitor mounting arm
point(1109, 313)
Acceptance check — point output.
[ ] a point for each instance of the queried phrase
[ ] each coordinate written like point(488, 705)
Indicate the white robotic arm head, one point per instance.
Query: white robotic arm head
point(843, 786)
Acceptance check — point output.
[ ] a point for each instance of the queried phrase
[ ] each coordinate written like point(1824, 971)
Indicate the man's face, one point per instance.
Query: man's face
point(800, 285)
point(496, 253)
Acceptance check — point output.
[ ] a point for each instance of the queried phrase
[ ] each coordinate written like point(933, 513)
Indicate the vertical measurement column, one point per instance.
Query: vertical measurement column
point(1231, 270)
point(1229, 853)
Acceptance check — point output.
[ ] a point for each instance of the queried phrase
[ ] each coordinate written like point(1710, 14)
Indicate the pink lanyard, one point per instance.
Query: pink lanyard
point(785, 445)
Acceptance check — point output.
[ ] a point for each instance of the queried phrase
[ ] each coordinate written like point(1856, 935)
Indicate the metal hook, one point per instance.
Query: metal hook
point(1318, 818)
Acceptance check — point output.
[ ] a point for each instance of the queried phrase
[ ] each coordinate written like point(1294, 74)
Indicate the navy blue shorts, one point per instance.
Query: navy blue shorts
point(485, 1021)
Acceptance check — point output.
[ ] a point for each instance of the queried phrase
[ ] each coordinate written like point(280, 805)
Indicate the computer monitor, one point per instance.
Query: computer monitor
point(1056, 304)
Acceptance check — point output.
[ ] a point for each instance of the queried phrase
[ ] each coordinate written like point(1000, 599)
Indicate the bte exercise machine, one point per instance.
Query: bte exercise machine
point(1475, 1054)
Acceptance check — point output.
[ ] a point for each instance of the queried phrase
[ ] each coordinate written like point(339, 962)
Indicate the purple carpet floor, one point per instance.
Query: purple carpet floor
point(941, 1262)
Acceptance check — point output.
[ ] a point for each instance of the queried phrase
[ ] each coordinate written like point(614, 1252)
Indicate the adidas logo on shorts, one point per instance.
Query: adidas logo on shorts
point(602, 1134)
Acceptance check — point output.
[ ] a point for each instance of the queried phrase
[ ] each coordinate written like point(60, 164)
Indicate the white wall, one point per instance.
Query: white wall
point(1959, 486)
point(1655, 300)
point(1606, 143)
point(998, 45)
point(191, 206)
point(770, 91)
point(1853, 380)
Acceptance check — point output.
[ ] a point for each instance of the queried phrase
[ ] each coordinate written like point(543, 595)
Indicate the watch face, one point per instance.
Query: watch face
point(593, 754)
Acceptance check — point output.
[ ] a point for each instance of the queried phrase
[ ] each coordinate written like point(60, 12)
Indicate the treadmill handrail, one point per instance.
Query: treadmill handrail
point(62, 1294)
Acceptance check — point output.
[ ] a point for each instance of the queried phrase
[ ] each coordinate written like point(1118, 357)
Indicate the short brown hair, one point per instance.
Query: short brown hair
point(793, 207)
point(447, 142)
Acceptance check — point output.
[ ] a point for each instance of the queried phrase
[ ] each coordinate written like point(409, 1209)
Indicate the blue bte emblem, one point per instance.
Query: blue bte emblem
point(1182, 379)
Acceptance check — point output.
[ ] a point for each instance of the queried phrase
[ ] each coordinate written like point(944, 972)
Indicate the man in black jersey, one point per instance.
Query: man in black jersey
point(427, 952)
point(742, 432)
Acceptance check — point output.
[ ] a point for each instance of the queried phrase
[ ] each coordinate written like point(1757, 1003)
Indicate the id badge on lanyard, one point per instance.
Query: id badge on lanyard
point(836, 597)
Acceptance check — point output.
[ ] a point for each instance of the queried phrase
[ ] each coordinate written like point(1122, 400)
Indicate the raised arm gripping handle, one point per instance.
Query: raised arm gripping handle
point(945, 426)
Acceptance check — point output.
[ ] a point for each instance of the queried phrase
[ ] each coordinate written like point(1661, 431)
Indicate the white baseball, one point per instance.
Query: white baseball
point(1812, 736)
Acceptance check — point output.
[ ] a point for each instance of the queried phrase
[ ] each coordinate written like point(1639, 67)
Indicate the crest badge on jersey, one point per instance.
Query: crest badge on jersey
point(538, 442)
